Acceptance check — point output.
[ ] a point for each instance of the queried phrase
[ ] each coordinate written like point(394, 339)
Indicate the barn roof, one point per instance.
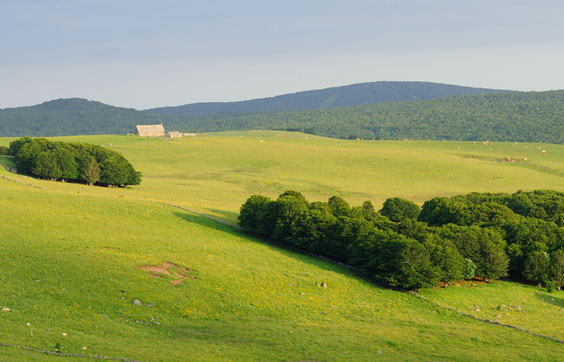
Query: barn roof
point(151, 130)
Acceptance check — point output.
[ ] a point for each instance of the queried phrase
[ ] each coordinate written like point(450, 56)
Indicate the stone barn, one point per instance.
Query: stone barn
point(151, 130)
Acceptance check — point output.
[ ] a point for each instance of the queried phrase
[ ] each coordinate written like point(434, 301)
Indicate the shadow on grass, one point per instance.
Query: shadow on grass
point(550, 299)
point(283, 249)
point(228, 215)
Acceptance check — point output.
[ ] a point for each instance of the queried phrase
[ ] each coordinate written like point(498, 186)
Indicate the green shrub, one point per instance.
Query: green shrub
point(469, 269)
point(551, 286)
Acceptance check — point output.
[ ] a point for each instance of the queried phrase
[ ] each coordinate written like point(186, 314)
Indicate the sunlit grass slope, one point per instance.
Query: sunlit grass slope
point(521, 305)
point(216, 172)
point(69, 265)
point(70, 256)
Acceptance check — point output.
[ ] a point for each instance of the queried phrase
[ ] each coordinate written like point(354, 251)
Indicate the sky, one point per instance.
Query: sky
point(147, 53)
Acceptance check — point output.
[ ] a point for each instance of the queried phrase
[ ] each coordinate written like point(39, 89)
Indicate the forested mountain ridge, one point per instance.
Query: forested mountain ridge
point(334, 97)
point(506, 116)
point(510, 116)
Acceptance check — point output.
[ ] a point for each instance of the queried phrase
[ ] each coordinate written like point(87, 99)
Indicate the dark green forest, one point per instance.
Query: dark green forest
point(75, 162)
point(67, 117)
point(507, 116)
point(515, 116)
point(335, 97)
point(476, 235)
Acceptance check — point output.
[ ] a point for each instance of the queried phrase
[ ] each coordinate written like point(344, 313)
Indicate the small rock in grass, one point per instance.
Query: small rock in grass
point(137, 302)
point(378, 351)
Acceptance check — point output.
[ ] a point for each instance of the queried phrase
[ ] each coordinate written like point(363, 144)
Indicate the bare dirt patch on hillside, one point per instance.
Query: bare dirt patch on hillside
point(168, 268)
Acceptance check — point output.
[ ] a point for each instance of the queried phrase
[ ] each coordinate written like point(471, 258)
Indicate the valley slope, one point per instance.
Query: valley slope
point(76, 264)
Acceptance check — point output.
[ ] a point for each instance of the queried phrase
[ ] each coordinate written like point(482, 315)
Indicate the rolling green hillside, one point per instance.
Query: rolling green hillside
point(73, 258)
point(191, 170)
point(350, 95)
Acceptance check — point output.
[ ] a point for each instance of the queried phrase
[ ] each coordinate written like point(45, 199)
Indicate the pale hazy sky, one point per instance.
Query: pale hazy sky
point(142, 54)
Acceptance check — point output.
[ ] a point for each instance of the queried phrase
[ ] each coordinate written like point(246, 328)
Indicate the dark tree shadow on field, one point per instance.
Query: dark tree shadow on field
point(282, 249)
point(550, 299)
point(230, 215)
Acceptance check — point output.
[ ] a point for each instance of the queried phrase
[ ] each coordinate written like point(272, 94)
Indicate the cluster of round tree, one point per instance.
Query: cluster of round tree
point(84, 163)
point(403, 245)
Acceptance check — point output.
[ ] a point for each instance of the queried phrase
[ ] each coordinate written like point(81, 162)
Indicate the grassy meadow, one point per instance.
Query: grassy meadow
point(73, 258)
point(216, 172)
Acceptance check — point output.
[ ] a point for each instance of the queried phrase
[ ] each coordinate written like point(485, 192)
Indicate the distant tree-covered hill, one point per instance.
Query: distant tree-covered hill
point(344, 96)
point(506, 116)
point(511, 116)
point(74, 116)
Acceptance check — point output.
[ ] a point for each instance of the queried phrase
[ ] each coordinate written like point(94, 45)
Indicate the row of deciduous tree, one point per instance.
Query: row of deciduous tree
point(403, 245)
point(85, 163)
